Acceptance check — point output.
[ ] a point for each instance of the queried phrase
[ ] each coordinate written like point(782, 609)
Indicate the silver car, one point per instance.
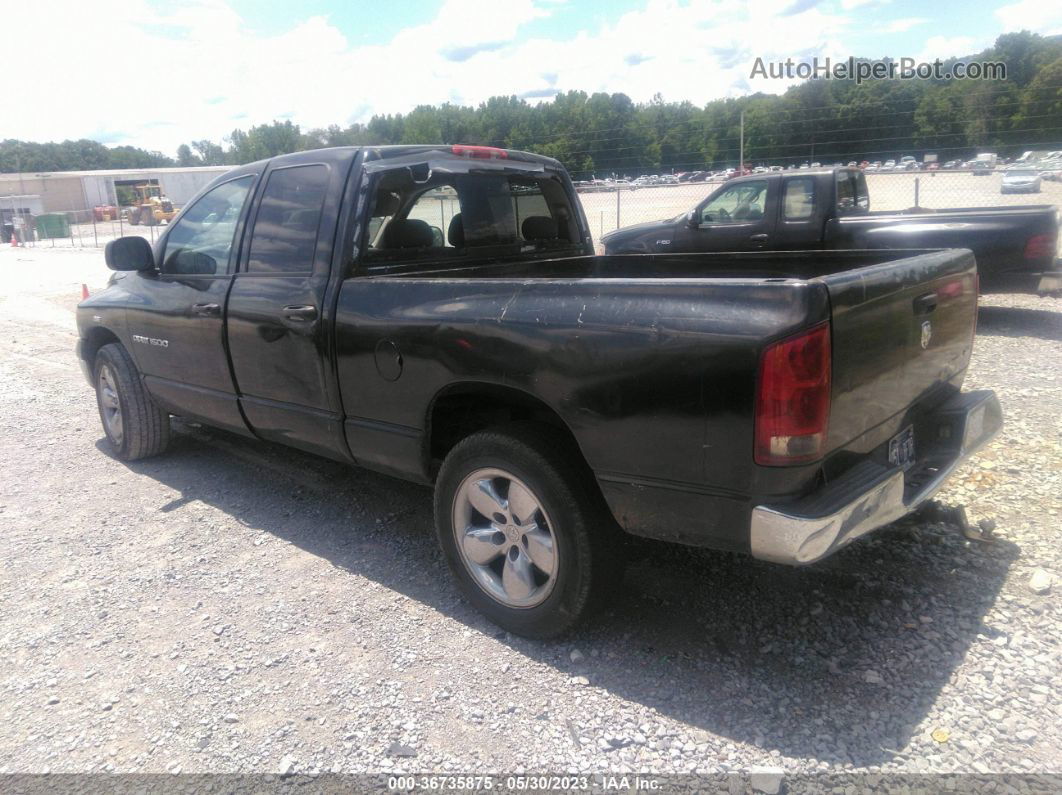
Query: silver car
point(1020, 180)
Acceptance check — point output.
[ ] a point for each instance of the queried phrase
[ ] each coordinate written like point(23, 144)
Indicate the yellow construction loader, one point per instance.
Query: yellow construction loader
point(151, 208)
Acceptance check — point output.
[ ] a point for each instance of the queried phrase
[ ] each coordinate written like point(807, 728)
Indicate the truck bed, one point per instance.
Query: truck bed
point(651, 359)
point(716, 265)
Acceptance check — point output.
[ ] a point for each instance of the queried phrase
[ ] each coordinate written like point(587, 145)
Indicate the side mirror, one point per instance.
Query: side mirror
point(693, 219)
point(131, 253)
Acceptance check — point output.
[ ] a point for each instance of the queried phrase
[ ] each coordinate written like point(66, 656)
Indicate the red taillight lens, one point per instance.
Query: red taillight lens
point(482, 152)
point(793, 399)
point(1041, 247)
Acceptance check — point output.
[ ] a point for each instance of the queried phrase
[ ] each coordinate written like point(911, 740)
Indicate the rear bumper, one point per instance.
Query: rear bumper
point(871, 495)
point(1050, 281)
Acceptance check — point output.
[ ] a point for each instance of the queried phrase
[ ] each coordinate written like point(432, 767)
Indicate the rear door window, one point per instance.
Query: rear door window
point(284, 239)
point(798, 199)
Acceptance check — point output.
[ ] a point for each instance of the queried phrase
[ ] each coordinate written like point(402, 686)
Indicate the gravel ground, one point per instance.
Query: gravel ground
point(235, 606)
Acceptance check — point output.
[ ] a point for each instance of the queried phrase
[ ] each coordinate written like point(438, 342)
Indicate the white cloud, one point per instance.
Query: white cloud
point(945, 47)
point(127, 71)
point(1038, 16)
point(904, 25)
point(848, 5)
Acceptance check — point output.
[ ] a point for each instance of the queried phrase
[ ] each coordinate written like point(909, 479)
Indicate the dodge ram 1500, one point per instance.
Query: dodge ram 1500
point(437, 313)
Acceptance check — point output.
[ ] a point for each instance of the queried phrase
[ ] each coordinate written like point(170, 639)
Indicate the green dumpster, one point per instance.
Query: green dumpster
point(52, 225)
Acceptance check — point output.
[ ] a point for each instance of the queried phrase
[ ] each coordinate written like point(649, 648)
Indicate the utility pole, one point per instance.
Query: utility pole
point(741, 145)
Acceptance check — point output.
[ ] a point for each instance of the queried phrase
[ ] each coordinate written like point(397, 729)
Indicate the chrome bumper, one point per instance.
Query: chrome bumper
point(1050, 281)
point(871, 495)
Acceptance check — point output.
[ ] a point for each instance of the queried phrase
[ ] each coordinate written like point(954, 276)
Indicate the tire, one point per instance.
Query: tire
point(135, 426)
point(133, 216)
point(551, 566)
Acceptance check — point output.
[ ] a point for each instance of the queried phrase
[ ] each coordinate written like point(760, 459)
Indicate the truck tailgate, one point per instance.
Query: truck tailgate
point(902, 337)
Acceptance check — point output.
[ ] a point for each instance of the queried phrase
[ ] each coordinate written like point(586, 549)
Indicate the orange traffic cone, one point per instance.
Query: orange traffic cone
point(14, 241)
point(84, 291)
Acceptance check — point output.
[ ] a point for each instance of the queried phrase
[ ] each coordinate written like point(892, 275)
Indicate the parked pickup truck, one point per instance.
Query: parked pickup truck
point(1015, 246)
point(777, 404)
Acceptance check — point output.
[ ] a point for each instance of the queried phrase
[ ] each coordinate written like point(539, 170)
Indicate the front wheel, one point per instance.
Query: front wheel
point(524, 529)
point(135, 426)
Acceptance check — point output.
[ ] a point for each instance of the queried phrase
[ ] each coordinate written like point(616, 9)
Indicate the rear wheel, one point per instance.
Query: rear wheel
point(134, 425)
point(524, 529)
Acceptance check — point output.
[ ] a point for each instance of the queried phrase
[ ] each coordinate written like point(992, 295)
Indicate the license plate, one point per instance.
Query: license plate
point(902, 448)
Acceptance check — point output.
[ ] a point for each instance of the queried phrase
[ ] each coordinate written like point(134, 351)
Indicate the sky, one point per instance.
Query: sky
point(156, 74)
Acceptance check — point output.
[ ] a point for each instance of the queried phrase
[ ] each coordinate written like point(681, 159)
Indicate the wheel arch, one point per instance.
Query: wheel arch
point(95, 339)
point(460, 409)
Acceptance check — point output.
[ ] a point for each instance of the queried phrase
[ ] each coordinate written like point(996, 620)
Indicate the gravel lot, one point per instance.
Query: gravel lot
point(235, 606)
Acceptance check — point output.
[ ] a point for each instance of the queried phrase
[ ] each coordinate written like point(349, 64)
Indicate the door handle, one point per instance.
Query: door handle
point(760, 238)
point(207, 310)
point(300, 313)
point(924, 304)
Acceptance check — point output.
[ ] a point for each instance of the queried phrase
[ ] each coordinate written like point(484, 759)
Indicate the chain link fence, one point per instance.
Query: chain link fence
point(608, 204)
point(72, 228)
point(612, 204)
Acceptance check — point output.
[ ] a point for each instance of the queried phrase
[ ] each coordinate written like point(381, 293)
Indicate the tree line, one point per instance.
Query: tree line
point(818, 120)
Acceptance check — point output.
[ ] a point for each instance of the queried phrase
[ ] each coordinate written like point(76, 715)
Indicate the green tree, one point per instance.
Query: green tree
point(185, 156)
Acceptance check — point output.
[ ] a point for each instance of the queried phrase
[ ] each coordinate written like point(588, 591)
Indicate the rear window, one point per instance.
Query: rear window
point(420, 216)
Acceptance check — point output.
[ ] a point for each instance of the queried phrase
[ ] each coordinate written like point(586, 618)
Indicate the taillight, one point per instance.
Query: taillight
point(482, 152)
point(793, 399)
point(1041, 247)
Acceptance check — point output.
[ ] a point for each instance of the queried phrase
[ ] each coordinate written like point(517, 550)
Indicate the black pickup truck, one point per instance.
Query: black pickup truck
point(1015, 246)
point(777, 404)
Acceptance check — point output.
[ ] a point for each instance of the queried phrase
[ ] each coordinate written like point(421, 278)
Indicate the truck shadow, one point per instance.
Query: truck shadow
point(1015, 321)
point(856, 648)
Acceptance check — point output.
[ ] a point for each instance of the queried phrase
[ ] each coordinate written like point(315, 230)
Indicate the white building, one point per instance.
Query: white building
point(59, 191)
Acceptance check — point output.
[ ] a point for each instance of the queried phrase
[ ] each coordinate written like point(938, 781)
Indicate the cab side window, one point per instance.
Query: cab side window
point(200, 242)
point(285, 230)
point(736, 204)
point(852, 197)
point(862, 195)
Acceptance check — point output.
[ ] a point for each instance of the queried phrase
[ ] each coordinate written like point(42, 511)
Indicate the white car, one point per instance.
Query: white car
point(1020, 180)
point(1050, 170)
point(890, 165)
